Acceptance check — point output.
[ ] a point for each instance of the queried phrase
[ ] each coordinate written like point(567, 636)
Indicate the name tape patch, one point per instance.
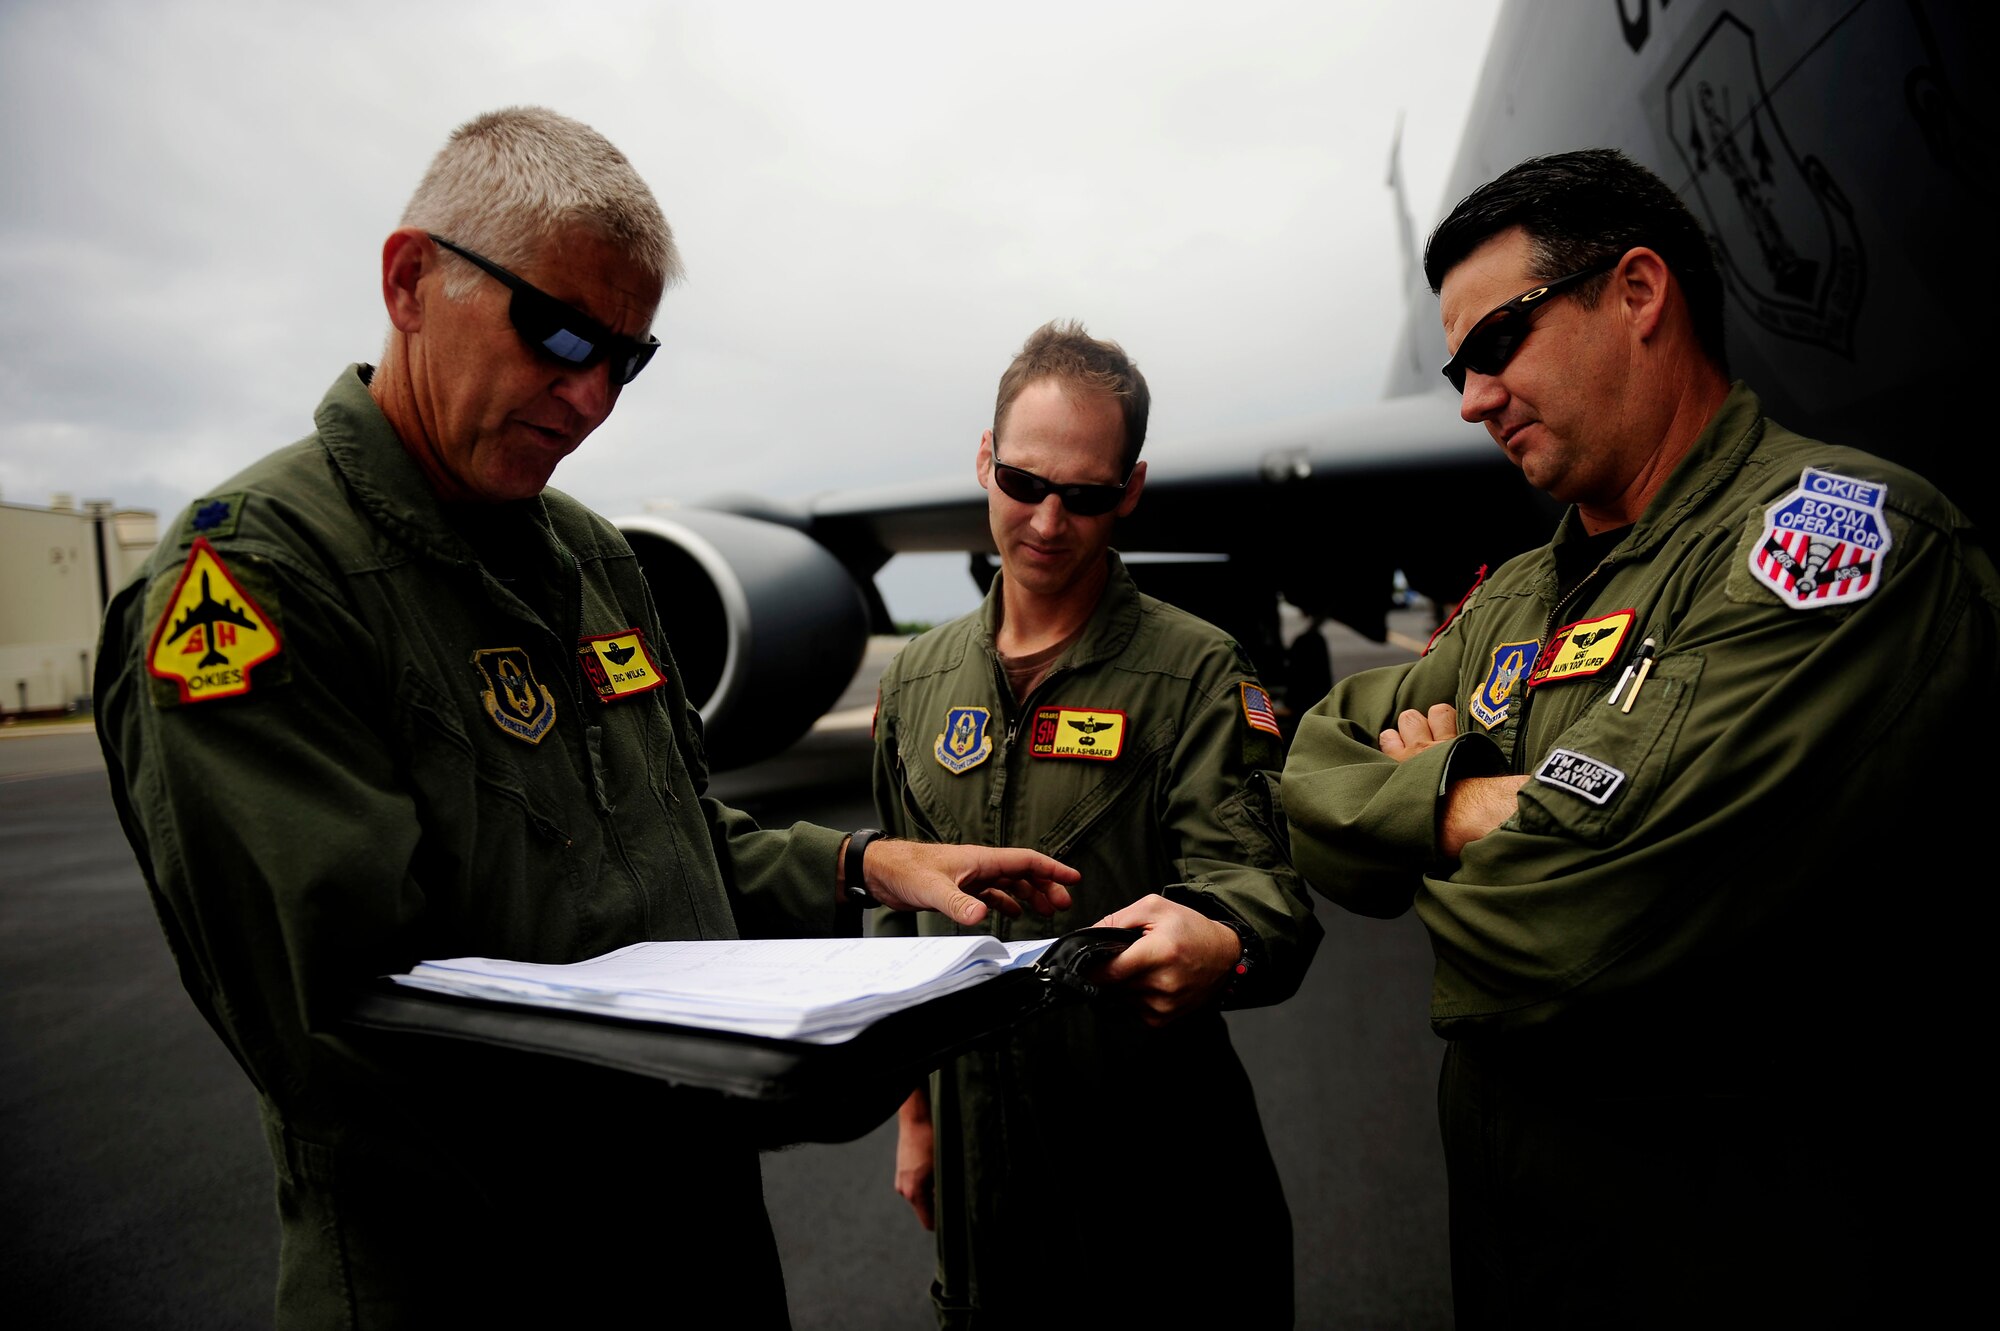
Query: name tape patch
point(618, 665)
point(1511, 662)
point(1076, 732)
point(211, 632)
point(1582, 776)
point(1823, 543)
point(1581, 649)
point(965, 742)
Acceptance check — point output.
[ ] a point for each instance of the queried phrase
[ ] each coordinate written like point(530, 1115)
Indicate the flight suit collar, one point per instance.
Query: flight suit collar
point(384, 479)
point(392, 492)
point(1712, 463)
point(1109, 629)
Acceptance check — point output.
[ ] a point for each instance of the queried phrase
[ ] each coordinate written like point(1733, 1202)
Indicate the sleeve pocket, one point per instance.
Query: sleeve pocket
point(1602, 774)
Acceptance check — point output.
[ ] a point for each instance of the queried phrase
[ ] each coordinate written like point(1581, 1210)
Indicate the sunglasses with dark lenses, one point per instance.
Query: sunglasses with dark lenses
point(1495, 338)
point(560, 330)
point(1086, 501)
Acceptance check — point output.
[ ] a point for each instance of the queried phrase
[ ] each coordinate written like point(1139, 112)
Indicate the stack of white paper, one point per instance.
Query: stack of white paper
point(819, 990)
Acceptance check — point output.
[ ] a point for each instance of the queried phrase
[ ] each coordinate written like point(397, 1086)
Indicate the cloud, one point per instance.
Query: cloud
point(876, 202)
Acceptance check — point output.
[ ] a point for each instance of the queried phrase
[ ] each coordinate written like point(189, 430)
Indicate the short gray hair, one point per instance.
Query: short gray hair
point(507, 181)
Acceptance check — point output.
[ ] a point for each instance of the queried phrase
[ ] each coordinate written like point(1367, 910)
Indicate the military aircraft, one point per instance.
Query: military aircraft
point(1838, 153)
point(204, 617)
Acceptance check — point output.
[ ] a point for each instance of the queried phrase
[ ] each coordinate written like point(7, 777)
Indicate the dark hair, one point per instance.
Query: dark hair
point(1062, 350)
point(1581, 208)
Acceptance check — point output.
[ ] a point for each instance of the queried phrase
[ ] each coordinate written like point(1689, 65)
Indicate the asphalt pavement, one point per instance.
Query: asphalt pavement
point(137, 1192)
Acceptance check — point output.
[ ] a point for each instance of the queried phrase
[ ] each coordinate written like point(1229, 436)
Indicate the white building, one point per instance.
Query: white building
point(58, 565)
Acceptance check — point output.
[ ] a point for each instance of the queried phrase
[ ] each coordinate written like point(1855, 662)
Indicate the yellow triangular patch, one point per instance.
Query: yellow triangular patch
point(211, 632)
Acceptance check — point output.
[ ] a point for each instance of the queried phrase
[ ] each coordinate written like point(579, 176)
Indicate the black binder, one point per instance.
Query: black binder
point(780, 1091)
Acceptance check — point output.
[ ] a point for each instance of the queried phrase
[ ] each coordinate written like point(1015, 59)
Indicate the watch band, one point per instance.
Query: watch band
point(853, 883)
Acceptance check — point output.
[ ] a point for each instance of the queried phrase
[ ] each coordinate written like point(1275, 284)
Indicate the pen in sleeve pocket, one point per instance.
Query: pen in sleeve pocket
point(1645, 664)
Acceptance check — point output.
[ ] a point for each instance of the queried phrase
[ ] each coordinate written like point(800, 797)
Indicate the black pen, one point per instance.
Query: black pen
point(1645, 664)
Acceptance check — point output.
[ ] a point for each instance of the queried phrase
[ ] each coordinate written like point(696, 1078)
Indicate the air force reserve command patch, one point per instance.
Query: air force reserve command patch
point(964, 744)
point(1584, 777)
point(1511, 663)
point(1579, 650)
point(1824, 543)
point(1076, 732)
point(518, 703)
point(617, 665)
point(211, 632)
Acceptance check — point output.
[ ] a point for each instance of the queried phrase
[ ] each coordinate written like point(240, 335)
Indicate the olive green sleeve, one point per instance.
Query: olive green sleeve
point(1763, 740)
point(1223, 818)
point(1364, 826)
point(273, 828)
point(891, 796)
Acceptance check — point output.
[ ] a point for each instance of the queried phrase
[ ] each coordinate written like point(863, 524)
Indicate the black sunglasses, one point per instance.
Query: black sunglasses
point(1086, 501)
point(560, 330)
point(1495, 338)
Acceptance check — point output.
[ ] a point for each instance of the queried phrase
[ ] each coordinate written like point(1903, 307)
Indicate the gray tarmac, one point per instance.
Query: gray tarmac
point(137, 1192)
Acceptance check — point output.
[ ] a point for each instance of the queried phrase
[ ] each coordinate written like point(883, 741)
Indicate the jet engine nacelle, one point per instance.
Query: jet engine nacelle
point(766, 626)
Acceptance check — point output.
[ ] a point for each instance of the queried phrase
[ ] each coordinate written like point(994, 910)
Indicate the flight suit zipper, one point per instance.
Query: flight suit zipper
point(1548, 629)
point(593, 732)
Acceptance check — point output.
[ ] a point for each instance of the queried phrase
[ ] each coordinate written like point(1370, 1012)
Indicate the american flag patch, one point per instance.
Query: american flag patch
point(1257, 710)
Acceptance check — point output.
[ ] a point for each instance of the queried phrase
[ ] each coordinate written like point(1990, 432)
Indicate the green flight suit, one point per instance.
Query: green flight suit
point(1674, 982)
point(424, 769)
point(1092, 1170)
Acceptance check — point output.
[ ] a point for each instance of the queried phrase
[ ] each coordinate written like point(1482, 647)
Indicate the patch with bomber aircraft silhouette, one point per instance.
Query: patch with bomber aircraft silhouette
point(211, 632)
point(1076, 732)
point(619, 665)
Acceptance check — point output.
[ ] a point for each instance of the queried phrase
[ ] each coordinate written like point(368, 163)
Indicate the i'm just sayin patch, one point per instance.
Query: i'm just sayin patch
point(1824, 543)
point(1579, 774)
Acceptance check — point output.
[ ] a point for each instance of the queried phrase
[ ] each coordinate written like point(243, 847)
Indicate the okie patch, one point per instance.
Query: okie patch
point(211, 632)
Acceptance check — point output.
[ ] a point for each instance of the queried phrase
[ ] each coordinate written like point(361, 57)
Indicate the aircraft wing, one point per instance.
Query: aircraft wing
point(774, 601)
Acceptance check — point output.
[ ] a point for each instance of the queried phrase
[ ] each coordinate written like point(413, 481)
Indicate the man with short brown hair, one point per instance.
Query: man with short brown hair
point(1105, 1165)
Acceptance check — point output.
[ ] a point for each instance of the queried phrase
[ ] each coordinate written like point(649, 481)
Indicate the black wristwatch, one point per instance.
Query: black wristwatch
point(853, 883)
point(1247, 958)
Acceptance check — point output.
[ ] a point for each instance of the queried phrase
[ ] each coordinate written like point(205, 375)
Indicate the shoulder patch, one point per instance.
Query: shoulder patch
point(214, 516)
point(518, 703)
point(1077, 732)
point(964, 744)
point(1257, 709)
point(1824, 543)
point(1582, 776)
point(211, 632)
point(1581, 649)
point(1512, 661)
point(618, 665)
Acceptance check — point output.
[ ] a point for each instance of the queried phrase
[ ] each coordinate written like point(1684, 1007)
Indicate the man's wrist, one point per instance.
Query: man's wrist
point(850, 874)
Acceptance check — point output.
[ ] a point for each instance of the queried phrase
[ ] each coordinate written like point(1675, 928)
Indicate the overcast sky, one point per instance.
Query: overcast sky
point(876, 204)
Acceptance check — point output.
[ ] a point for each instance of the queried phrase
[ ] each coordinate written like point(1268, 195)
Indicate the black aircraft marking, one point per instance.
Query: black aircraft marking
point(207, 613)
